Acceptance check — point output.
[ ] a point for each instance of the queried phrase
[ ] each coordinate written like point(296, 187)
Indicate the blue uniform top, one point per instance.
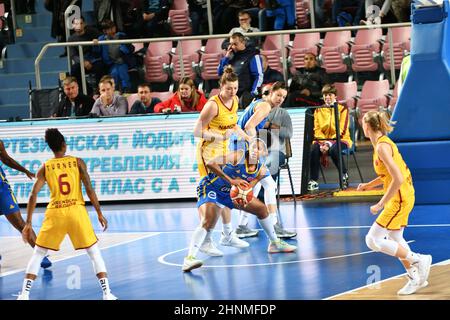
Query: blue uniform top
point(8, 202)
point(248, 113)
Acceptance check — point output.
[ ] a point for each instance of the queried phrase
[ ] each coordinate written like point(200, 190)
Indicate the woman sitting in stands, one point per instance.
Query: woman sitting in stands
point(186, 99)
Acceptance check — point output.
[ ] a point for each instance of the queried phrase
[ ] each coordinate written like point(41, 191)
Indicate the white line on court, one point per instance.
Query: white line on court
point(161, 260)
point(82, 252)
point(445, 262)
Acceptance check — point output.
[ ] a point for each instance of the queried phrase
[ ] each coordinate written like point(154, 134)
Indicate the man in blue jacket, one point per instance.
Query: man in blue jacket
point(247, 64)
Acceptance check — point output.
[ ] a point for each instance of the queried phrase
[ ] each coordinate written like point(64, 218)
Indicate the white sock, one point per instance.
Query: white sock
point(26, 287)
point(104, 284)
point(274, 217)
point(243, 218)
point(227, 228)
point(412, 257)
point(197, 239)
point(267, 225)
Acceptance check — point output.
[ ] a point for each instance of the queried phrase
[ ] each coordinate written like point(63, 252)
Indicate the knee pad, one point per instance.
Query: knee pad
point(270, 190)
point(35, 262)
point(371, 242)
point(97, 260)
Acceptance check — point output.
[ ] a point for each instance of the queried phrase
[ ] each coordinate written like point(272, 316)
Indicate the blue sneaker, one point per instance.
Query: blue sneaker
point(46, 263)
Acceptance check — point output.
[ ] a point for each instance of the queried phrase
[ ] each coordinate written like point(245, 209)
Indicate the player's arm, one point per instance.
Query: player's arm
point(91, 192)
point(261, 175)
point(38, 184)
point(242, 133)
point(384, 151)
point(370, 185)
point(215, 166)
point(261, 111)
point(10, 162)
point(210, 110)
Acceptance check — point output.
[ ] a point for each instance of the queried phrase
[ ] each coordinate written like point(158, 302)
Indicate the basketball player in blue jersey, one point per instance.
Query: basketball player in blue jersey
point(8, 202)
point(252, 120)
point(239, 168)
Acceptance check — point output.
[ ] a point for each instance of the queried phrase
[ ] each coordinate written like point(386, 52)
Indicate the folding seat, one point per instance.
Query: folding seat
point(303, 43)
point(131, 99)
point(210, 59)
point(346, 93)
point(179, 21)
point(271, 48)
point(190, 51)
point(157, 61)
point(302, 14)
point(162, 95)
point(393, 99)
point(334, 50)
point(366, 49)
point(374, 95)
point(401, 45)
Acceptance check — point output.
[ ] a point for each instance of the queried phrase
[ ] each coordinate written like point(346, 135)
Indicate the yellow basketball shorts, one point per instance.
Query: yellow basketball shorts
point(396, 213)
point(74, 221)
point(206, 151)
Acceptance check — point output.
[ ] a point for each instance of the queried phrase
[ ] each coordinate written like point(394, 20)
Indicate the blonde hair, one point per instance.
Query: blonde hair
point(228, 75)
point(379, 121)
point(194, 94)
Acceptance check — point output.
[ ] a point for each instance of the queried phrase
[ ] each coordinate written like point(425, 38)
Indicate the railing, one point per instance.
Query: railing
point(215, 36)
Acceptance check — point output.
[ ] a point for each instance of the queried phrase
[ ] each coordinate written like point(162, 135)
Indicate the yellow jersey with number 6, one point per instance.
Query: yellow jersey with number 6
point(64, 181)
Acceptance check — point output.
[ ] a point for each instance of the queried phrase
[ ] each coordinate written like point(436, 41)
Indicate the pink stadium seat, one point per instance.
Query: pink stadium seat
point(374, 95)
point(335, 48)
point(394, 98)
point(303, 43)
point(132, 99)
point(2, 13)
point(210, 59)
point(271, 48)
point(157, 61)
point(162, 95)
point(138, 46)
point(190, 51)
point(401, 43)
point(346, 93)
point(302, 13)
point(367, 46)
point(180, 23)
point(179, 5)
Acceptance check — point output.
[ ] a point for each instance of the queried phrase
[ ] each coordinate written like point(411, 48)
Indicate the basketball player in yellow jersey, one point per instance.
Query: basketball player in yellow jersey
point(386, 234)
point(65, 214)
point(217, 121)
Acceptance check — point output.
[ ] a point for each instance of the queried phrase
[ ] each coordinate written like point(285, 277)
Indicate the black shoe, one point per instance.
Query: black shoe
point(345, 181)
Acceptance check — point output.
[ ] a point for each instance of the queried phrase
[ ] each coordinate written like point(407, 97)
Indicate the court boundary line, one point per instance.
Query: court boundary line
point(78, 253)
point(441, 263)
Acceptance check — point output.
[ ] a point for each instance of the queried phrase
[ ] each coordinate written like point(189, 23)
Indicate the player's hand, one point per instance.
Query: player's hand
point(26, 233)
point(362, 187)
point(30, 175)
point(103, 222)
point(376, 208)
point(240, 183)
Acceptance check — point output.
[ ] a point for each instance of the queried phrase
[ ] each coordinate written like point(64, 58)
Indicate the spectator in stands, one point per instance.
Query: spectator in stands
point(155, 16)
point(186, 99)
point(93, 63)
point(58, 7)
point(311, 78)
point(146, 103)
point(245, 21)
point(109, 103)
point(226, 13)
point(24, 6)
point(324, 144)
point(115, 56)
point(270, 75)
point(199, 16)
point(344, 18)
point(375, 15)
point(247, 64)
point(283, 11)
point(132, 18)
point(73, 103)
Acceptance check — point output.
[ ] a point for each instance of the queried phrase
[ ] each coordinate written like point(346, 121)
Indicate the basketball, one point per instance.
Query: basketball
point(241, 196)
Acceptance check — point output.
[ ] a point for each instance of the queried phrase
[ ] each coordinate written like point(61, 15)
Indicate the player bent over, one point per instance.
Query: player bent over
point(240, 168)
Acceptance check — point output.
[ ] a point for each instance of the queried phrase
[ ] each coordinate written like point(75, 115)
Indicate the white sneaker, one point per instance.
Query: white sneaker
point(233, 241)
point(210, 249)
point(191, 263)
point(424, 266)
point(23, 296)
point(109, 296)
point(411, 287)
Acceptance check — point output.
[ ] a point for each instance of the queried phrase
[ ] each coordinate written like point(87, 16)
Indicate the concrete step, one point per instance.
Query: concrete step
point(31, 50)
point(12, 66)
point(14, 110)
point(36, 34)
point(14, 96)
point(27, 21)
point(21, 80)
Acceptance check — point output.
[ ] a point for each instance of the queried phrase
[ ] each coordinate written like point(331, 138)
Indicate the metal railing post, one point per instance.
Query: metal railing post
point(83, 73)
point(391, 56)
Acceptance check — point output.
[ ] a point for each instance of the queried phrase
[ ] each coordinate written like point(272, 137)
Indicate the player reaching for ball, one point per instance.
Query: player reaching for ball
point(242, 169)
